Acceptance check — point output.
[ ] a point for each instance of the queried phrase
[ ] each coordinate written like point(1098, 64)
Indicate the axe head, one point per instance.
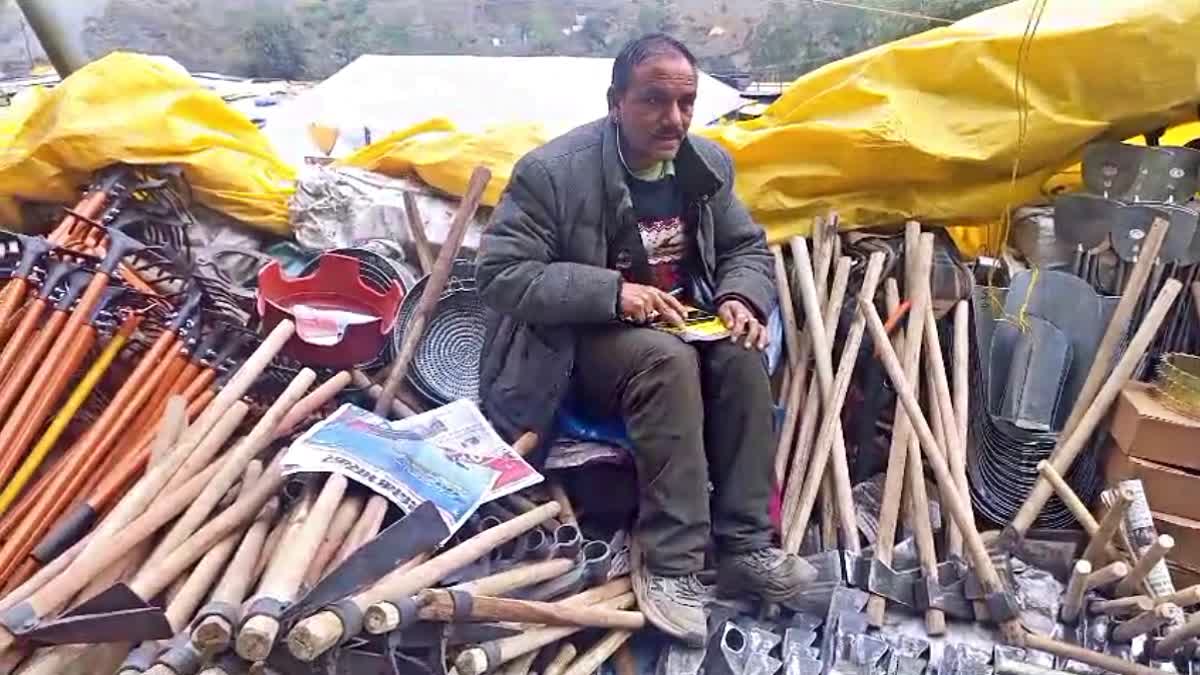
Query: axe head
point(1052, 550)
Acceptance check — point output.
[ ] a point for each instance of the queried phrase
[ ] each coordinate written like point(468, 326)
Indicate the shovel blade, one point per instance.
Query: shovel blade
point(416, 533)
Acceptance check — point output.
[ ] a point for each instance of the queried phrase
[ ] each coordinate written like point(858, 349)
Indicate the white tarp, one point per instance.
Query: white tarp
point(387, 93)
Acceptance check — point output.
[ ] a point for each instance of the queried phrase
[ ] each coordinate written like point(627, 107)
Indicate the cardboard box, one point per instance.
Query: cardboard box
point(1143, 427)
point(1170, 490)
point(1183, 577)
point(1186, 532)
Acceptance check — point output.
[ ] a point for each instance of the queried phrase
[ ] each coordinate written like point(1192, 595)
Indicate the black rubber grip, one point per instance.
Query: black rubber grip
point(65, 534)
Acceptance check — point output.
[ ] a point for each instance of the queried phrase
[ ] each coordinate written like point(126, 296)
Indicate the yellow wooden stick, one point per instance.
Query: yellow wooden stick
point(78, 396)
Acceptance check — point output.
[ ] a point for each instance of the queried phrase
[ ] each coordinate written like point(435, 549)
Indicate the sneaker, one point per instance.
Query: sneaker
point(769, 573)
point(674, 605)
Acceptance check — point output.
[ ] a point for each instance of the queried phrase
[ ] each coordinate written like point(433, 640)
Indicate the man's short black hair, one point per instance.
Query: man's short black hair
point(641, 50)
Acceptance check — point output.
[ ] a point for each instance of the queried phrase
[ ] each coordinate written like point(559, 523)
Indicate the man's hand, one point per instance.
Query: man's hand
point(644, 303)
point(742, 325)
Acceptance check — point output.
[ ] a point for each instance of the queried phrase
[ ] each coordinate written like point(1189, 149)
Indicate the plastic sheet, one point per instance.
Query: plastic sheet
point(927, 127)
point(138, 109)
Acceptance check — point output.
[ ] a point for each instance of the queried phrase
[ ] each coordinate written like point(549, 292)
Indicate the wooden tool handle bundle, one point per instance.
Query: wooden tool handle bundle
point(281, 582)
point(206, 488)
point(898, 475)
point(318, 633)
point(615, 595)
point(801, 494)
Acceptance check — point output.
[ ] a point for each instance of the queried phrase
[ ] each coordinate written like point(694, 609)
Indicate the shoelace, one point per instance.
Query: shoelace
point(686, 590)
point(766, 558)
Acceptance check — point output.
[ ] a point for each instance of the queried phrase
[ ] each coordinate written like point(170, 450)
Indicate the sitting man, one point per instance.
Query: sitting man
point(601, 231)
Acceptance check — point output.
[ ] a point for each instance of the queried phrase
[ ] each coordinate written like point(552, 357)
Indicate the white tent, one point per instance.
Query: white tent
point(385, 93)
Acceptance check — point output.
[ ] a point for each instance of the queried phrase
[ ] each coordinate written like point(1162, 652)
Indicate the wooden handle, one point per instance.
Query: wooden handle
point(400, 409)
point(286, 571)
point(910, 480)
point(416, 227)
point(1153, 555)
point(526, 444)
point(246, 376)
point(1114, 334)
point(1076, 588)
point(1122, 607)
point(592, 659)
point(475, 661)
point(1085, 655)
point(161, 473)
point(791, 335)
point(1065, 453)
point(830, 431)
point(347, 515)
point(1175, 638)
point(951, 499)
point(895, 475)
point(441, 607)
point(562, 659)
point(804, 495)
point(1143, 623)
point(1187, 597)
point(214, 634)
point(962, 412)
point(935, 619)
point(1108, 527)
point(312, 403)
point(84, 568)
point(566, 512)
point(944, 416)
point(516, 578)
point(1107, 575)
point(1068, 497)
point(154, 577)
point(365, 529)
point(434, 285)
point(317, 634)
point(183, 607)
point(234, 462)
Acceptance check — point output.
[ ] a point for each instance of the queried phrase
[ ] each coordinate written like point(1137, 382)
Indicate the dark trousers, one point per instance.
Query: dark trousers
point(694, 413)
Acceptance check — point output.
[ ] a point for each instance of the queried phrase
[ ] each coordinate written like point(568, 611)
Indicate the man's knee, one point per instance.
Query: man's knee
point(737, 368)
point(671, 356)
point(668, 367)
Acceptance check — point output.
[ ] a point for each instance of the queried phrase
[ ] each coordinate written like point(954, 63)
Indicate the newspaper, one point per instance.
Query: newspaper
point(450, 456)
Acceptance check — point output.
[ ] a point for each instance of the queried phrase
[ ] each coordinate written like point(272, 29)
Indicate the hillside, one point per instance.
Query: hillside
point(772, 39)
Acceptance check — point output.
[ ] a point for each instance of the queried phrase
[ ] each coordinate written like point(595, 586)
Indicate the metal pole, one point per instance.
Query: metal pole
point(51, 21)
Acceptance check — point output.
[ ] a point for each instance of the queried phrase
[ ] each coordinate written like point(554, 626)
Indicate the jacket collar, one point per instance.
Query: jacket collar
point(696, 176)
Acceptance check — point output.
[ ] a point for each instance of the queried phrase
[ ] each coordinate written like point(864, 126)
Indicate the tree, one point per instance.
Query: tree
point(275, 47)
point(544, 34)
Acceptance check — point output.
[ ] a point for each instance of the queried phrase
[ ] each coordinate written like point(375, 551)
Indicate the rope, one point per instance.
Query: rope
point(1021, 98)
point(882, 10)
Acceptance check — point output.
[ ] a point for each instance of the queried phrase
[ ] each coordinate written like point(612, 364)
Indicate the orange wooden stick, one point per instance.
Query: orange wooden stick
point(29, 413)
point(31, 359)
point(129, 397)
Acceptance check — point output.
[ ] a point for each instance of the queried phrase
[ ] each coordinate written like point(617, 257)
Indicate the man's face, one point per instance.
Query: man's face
point(656, 111)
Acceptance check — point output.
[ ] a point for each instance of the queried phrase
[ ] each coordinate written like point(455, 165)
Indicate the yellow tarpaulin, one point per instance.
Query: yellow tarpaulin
point(444, 157)
point(138, 110)
point(926, 127)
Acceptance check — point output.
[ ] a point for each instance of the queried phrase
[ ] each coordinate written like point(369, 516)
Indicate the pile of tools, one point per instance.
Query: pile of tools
point(146, 525)
point(958, 579)
point(102, 321)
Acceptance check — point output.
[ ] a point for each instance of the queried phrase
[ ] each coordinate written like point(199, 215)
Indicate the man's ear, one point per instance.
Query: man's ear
point(612, 102)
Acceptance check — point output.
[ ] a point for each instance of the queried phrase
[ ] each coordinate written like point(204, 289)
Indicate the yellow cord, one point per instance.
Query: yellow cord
point(78, 396)
point(997, 240)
